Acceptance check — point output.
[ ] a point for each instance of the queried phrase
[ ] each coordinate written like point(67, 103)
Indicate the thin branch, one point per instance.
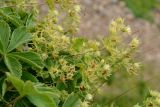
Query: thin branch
point(15, 100)
point(4, 101)
point(89, 52)
point(132, 88)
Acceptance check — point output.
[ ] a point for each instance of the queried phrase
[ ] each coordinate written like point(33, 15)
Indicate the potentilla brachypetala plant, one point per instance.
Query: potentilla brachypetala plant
point(44, 63)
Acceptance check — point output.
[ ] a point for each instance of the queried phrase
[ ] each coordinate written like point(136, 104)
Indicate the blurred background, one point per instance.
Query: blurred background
point(143, 16)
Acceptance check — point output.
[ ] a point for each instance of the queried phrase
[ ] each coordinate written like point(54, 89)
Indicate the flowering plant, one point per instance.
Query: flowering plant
point(44, 64)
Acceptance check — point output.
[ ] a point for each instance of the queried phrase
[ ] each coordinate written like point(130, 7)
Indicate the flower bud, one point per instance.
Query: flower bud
point(84, 104)
point(119, 21)
point(89, 97)
point(126, 29)
point(44, 56)
point(106, 67)
point(134, 43)
point(77, 8)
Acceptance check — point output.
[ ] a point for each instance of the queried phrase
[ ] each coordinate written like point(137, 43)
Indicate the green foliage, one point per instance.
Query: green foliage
point(38, 95)
point(72, 101)
point(142, 8)
point(9, 42)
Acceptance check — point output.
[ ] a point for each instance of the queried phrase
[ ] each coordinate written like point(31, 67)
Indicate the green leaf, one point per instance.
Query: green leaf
point(48, 62)
point(7, 15)
point(13, 65)
point(3, 86)
point(24, 102)
point(17, 83)
point(38, 97)
point(78, 43)
point(1, 48)
point(31, 21)
point(28, 76)
point(61, 86)
point(18, 104)
point(4, 36)
point(31, 58)
point(72, 101)
point(71, 86)
point(18, 37)
point(41, 100)
point(53, 91)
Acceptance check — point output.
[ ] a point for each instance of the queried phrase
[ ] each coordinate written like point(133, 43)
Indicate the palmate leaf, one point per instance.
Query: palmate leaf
point(9, 43)
point(4, 36)
point(28, 89)
point(13, 65)
point(31, 58)
point(9, 17)
point(18, 37)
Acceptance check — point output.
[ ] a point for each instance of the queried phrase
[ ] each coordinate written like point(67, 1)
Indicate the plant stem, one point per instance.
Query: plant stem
point(15, 100)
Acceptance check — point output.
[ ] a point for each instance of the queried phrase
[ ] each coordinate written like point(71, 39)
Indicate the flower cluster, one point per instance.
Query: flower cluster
point(87, 63)
point(73, 67)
